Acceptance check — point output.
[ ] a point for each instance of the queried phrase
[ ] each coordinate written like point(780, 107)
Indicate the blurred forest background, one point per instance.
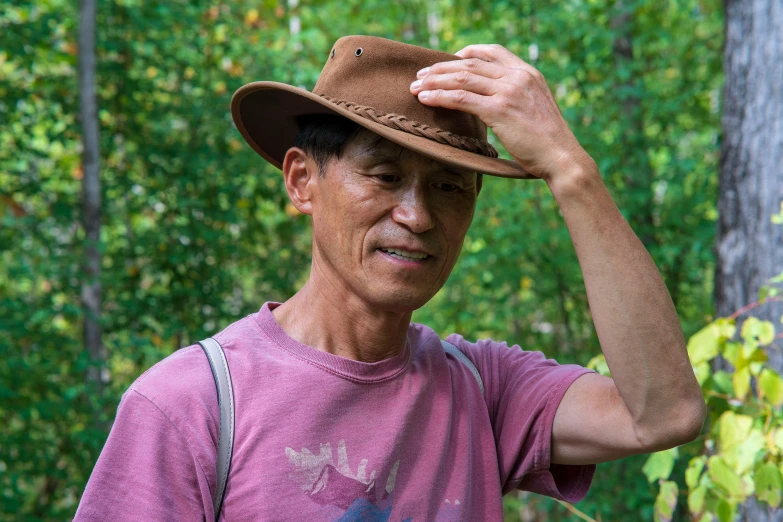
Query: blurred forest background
point(196, 230)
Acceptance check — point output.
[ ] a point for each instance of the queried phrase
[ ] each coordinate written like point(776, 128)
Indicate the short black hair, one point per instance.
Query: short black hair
point(324, 136)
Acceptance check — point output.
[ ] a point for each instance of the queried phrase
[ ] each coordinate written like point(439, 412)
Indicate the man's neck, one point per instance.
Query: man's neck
point(330, 320)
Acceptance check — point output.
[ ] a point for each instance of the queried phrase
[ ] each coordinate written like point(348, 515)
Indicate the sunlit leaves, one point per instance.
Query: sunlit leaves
point(771, 387)
point(696, 499)
point(598, 363)
point(666, 502)
point(659, 465)
point(756, 332)
point(769, 484)
point(725, 478)
point(741, 382)
point(742, 443)
point(706, 344)
point(694, 471)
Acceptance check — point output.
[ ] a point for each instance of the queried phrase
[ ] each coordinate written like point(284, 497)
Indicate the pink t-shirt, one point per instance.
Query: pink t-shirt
point(322, 437)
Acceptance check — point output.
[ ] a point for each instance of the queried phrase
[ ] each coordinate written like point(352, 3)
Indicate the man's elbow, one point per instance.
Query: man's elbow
point(682, 425)
point(692, 421)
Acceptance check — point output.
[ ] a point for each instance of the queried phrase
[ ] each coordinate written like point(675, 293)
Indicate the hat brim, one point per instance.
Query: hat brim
point(265, 114)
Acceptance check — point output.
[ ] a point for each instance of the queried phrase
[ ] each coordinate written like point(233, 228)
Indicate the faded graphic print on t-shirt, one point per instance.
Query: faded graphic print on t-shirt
point(360, 495)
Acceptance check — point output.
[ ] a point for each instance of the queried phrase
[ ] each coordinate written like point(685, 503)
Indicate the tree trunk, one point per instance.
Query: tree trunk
point(91, 193)
point(749, 246)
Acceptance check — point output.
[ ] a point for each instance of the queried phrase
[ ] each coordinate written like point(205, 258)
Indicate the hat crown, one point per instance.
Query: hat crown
point(376, 73)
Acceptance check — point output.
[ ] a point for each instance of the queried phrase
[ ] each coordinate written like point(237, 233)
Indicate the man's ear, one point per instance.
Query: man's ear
point(299, 172)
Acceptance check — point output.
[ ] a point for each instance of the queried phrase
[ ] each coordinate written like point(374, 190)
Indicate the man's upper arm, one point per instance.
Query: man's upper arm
point(593, 425)
point(145, 471)
point(157, 460)
point(523, 390)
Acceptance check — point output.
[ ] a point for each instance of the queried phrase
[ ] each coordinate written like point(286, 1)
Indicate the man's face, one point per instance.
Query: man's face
point(388, 223)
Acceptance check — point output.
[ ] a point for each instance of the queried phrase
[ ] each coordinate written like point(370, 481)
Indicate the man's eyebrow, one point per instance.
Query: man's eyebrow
point(383, 155)
point(377, 150)
point(380, 155)
point(454, 170)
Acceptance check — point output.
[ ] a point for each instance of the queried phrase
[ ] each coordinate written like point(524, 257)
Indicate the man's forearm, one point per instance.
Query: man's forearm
point(634, 317)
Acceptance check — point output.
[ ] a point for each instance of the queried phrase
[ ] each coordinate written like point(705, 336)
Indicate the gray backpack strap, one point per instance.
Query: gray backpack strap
point(456, 352)
point(219, 366)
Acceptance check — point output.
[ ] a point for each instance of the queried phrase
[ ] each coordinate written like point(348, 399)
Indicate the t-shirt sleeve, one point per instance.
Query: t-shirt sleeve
point(523, 392)
point(148, 468)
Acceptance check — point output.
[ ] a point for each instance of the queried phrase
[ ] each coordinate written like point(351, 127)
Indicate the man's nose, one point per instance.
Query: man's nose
point(413, 210)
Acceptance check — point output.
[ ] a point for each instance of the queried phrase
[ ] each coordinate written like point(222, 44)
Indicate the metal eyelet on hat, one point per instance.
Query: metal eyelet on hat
point(358, 52)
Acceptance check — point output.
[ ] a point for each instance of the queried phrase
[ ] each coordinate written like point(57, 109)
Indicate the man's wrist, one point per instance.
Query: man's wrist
point(572, 172)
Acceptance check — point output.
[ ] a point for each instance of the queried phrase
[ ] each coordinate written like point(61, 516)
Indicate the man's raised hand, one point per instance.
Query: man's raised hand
point(511, 97)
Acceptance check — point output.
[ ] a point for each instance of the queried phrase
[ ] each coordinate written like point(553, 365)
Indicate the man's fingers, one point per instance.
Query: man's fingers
point(474, 66)
point(490, 53)
point(454, 99)
point(496, 54)
point(461, 80)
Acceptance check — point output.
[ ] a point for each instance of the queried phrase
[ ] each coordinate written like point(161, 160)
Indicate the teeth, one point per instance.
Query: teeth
point(404, 254)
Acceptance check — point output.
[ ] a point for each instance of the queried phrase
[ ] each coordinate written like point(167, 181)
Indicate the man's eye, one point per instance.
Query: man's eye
point(447, 187)
point(388, 178)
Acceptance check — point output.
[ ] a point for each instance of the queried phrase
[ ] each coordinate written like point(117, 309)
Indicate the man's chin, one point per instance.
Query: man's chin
point(401, 301)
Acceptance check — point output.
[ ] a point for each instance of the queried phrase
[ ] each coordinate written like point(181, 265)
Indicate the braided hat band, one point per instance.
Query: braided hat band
point(399, 122)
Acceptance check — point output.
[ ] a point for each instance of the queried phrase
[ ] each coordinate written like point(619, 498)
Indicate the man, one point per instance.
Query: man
point(344, 409)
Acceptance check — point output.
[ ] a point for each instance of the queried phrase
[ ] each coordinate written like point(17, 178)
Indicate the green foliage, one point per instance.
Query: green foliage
point(741, 453)
point(666, 502)
point(660, 465)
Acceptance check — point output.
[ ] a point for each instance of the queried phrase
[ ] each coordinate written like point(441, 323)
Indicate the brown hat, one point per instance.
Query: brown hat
point(367, 79)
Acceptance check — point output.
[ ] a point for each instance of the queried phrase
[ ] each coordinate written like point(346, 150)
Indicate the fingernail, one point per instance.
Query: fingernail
point(422, 72)
point(423, 95)
point(416, 84)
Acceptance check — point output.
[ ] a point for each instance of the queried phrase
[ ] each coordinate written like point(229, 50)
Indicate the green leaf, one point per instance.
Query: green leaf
point(725, 511)
point(659, 465)
point(757, 362)
point(771, 386)
point(696, 499)
point(777, 219)
point(732, 351)
point(726, 328)
point(767, 291)
point(768, 484)
point(778, 438)
point(725, 478)
point(666, 502)
point(756, 331)
point(733, 429)
point(695, 467)
point(722, 382)
point(704, 345)
point(741, 383)
point(742, 456)
point(598, 363)
point(702, 372)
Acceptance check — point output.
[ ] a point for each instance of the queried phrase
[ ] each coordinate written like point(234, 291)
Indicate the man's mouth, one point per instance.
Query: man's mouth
point(404, 254)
